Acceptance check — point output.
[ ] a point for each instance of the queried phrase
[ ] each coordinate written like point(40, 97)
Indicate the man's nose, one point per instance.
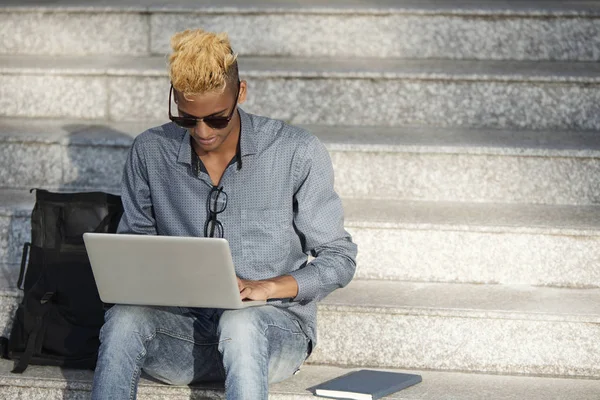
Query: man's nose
point(202, 130)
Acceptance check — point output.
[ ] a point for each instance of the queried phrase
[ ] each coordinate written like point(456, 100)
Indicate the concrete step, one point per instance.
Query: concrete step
point(325, 91)
point(65, 154)
point(467, 165)
point(479, 328)
point(440, 242)
point(10, 296)
point(15, 224)
point(508, 329)
point(477, 243)
point(534, 30)
point(50, 383)
point(403, 163)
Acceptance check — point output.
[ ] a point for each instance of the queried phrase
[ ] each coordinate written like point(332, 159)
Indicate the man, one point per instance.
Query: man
point(267, 188)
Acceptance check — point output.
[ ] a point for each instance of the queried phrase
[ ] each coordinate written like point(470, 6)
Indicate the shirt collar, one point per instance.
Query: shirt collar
point(247, 135)
point(247, 140)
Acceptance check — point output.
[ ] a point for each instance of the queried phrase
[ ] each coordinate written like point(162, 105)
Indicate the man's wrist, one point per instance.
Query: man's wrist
point(282, 287)
point(270, 287)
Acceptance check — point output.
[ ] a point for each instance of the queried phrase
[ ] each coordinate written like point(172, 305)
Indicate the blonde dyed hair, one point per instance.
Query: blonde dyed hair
point(201, 62)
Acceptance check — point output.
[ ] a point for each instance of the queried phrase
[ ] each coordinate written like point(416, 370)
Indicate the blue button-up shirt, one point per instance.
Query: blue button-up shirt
point(281, 206)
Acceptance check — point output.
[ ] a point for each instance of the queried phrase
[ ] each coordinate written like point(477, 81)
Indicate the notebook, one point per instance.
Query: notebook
point(365, 385)
point(164, 271)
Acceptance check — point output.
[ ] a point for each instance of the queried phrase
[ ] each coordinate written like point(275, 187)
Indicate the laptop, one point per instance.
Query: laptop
point(164, 271)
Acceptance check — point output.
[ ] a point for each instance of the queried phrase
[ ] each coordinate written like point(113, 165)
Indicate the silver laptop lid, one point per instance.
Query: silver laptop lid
point(164, 271)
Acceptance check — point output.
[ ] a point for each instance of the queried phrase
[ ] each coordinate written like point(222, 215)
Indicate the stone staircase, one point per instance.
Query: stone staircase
point(465, 140)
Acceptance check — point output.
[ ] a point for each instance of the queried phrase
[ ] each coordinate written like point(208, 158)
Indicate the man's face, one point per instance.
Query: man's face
point(208, 139)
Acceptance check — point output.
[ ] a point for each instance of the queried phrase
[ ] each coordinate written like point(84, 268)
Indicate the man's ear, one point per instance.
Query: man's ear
point(243, 92)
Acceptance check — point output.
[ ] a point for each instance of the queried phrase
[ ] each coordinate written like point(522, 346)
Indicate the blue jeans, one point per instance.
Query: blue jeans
point(248, 348)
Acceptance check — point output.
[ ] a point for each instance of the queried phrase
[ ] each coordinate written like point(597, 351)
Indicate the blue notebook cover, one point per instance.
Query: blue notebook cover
point(365, 384)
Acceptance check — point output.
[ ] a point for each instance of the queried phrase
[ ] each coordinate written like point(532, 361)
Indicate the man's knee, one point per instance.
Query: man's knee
point(235, 324)
point(243, 331)
point(123, 321)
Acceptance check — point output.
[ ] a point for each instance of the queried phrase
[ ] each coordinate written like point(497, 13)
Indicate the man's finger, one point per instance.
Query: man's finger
point(245, 293)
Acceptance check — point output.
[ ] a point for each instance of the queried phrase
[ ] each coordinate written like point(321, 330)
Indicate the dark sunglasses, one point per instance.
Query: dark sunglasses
point(217, 202)
point(212, 122)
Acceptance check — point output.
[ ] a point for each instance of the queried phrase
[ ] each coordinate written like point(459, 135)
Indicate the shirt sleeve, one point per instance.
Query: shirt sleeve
point(138, 214)
point(319, 221)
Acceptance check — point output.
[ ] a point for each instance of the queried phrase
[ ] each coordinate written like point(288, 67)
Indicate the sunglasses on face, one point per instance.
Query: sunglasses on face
point(189, 122)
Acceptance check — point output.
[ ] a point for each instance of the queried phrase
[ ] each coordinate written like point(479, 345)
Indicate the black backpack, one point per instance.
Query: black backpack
point(60, 316)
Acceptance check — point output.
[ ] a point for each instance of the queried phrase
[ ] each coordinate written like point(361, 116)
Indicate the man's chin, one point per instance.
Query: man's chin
point(208, 146)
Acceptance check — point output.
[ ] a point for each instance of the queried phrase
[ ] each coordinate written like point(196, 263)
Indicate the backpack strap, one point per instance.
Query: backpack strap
point(39, 326)
point(4, 348)
point(26, 248)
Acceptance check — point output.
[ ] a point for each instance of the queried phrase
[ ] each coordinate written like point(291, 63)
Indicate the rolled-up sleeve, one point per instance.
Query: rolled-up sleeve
point(138, 215)
point(319, 221)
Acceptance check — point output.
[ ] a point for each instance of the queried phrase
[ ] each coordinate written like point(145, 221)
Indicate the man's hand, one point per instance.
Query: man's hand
point(254, 290)
point(277, 288)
